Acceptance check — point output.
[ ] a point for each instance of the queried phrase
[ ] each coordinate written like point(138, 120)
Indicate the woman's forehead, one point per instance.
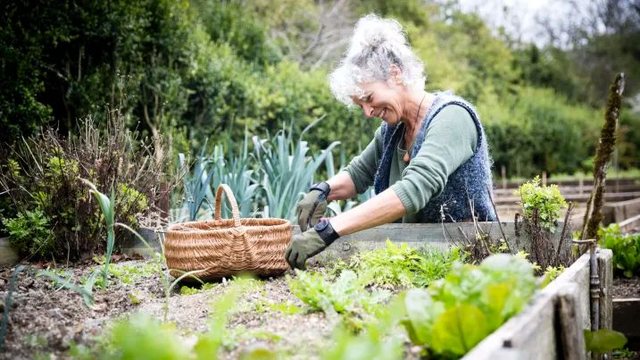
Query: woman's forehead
point(362, 90)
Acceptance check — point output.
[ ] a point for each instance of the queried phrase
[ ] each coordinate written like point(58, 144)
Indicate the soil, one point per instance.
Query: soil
point(46, 321)
point(626, 287)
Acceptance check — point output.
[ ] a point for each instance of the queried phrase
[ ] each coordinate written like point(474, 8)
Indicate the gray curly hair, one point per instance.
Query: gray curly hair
point(375, 46)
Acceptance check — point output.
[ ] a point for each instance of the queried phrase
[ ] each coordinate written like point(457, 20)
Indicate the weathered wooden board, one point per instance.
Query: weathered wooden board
point(626, 314)
point(8, 256)
point(630, 224)
point(608, 196)
point(617, 212)
point(440, 236)
point(605, 273)
point(530, 334)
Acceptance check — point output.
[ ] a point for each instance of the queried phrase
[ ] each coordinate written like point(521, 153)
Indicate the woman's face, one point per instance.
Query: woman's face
point(381, 99)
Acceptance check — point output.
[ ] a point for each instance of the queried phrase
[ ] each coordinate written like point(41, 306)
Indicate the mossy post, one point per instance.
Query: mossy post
point(606, 144)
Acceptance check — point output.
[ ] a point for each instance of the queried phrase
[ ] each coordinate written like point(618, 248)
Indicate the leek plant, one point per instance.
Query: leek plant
point(235, 171)
point(212, 170)
point(197, 187)
point(286, 170)
point(107, 205)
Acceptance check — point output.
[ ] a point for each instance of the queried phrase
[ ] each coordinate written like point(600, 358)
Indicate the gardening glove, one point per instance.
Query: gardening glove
point(310, 243)
point(311, 208)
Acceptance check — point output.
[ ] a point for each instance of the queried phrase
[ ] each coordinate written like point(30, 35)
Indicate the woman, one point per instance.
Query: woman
point(428, 161)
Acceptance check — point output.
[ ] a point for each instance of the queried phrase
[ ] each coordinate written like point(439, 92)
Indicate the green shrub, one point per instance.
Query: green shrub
point(43, 177)
point(30, 233)
point(546, 201)
point(626, 249)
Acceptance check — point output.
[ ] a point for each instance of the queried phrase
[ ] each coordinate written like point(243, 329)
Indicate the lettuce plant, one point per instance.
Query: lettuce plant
point(626, 249)
point(457, 312)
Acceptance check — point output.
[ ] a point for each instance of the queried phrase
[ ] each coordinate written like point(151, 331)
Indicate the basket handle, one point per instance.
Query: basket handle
point(232, 201)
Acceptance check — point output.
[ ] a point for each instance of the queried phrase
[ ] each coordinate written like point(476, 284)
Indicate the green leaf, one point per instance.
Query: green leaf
point(459, 329)
point(421, 311)
point(604, 340)
point(496, 297)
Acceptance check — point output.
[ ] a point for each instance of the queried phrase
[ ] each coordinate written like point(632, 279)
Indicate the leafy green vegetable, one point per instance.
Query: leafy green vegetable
point(604, 340)
point(421, 311)
point(187, 290)
point(626, 249)
point(461, 309)
point(402, 265)
point(459, 329)
point(341, 296)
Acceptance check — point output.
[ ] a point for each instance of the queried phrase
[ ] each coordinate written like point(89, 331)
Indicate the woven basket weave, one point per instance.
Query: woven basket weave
point(225, 247)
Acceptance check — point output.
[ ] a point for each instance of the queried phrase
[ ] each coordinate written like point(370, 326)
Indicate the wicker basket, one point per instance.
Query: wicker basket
point(225, 247)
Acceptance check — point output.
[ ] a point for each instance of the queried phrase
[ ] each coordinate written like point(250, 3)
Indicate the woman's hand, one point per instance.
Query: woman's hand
point(313, 205)
point(302, 247)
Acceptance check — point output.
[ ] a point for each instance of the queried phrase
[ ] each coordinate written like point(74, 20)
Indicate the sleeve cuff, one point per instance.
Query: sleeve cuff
point(405, 199)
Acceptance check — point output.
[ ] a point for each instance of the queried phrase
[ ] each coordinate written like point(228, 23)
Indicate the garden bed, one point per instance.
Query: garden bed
point(48, 320)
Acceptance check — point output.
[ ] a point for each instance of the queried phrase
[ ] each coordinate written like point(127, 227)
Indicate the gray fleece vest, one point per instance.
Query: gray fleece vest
point(466, 188)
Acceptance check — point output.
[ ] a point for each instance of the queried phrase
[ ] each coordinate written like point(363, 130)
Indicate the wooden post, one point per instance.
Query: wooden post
point(544, 178)
point(580, 184)
point(570, 336)
point(503, 173)
point(605, 272)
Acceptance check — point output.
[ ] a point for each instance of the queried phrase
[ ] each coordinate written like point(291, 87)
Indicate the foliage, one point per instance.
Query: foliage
point(195, 69)
point(551, 273)
point(188, 290)
point(42, 182)
point(220, 167)
point(196, 187)
point(404, 266)
point(129, 274)
point(287, 171)
point(625, 248)
point(604, 340)
point(345, 295)
point(231, 22)
point(30, 233)
point(107, 205)
point(457, 312)
point(85, 289)
point(544, 201)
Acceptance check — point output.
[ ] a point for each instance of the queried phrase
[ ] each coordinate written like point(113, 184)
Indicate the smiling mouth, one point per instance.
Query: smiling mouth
point(382, 113)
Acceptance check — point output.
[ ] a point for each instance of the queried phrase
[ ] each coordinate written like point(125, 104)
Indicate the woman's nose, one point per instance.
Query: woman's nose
point(368, 110)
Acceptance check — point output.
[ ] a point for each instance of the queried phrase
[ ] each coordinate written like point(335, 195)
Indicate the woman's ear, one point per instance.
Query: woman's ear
point(395, 74)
